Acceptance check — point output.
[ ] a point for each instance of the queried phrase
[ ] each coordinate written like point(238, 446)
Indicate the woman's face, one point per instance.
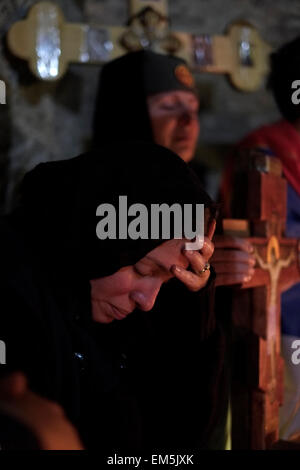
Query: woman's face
point(115, 296)
point(174, 121)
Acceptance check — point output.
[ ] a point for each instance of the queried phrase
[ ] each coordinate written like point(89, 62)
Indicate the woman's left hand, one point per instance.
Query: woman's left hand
point(197, 278)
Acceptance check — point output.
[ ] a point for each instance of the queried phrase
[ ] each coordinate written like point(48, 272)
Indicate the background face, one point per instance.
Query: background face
point(174, 120)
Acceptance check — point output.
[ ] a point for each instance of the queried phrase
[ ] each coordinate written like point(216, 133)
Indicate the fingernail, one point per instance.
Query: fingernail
point(189, 252)
point(176, 268)
point(252, 261)
point(251, 249)
point(247, 278)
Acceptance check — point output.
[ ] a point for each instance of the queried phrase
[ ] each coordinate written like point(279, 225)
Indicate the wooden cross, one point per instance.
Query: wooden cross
point(257, 388)
point(50, 44)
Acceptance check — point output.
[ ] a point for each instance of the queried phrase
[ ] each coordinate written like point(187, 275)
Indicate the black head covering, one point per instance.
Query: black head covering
point(58, 211)
point(121, 110)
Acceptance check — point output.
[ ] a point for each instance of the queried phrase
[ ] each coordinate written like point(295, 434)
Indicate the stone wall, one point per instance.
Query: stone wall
point(43, 121)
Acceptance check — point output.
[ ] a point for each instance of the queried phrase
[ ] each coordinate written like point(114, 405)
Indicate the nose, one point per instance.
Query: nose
point(186, 117)
point(145, 297)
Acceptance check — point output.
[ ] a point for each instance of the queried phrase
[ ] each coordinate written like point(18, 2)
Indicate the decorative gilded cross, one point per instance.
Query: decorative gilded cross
point(50, 44)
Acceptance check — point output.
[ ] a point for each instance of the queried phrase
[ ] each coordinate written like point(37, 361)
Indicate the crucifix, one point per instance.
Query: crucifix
point(257, 386)
point(50, 44)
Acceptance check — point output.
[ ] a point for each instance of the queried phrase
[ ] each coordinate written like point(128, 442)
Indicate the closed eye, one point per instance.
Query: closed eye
point(142, 272)
point(168, 107)
point(159, 271)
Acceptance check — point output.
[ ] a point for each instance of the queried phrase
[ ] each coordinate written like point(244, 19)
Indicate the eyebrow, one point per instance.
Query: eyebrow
point(161, 266)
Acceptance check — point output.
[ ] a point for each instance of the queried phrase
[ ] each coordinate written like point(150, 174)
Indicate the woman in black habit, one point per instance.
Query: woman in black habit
point(93, 324)
point(123, 112)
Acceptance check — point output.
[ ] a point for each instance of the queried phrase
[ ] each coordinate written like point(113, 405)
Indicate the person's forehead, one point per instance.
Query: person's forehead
point(187, 96)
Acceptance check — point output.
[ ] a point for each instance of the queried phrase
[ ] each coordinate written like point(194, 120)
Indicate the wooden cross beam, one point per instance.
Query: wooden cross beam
point(50, 44)
point(257, 389)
